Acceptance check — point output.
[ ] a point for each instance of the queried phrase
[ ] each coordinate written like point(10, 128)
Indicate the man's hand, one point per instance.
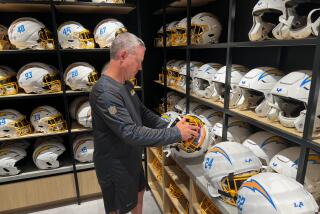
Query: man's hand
point(187, 131)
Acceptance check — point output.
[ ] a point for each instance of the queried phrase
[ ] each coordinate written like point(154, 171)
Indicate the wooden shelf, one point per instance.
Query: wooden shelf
point(76, 128)
point(152, 170)
point(83, 166)
point(263, 120)
point(89, 7)
point(176, 203)
point(193, 168)
point(24, 95)
point(155, 153)
point(156, 194)
point(25, 6)
point(178, 178)
point(70, 92)
point(34, 135)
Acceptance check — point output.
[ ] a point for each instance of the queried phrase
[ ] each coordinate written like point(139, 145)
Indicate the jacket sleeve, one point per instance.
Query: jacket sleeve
point(152, 120)
point(110, 106)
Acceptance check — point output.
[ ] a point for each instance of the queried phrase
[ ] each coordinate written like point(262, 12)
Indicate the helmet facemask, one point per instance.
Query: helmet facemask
point(196, 33)
point(46, 39)
point(22, 126)
point(179, 37)
point(56, 123)
point(92, 78)
point(250, 99)
point(86, 39)
point(51, 83)
point(8, 86)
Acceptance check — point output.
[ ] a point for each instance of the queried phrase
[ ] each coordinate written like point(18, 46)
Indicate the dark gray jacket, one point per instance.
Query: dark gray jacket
point(122, 125)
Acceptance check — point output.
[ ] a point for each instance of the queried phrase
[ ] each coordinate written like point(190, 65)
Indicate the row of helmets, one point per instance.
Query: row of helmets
point(266, 90)
point(284, 20)
point(44, 119)
point(45, 153)
point(39, 77)
point(262, 161)
point(205, 29)
point(29, 33)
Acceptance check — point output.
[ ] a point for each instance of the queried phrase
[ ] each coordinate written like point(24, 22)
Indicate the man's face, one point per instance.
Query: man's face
point(132, 62)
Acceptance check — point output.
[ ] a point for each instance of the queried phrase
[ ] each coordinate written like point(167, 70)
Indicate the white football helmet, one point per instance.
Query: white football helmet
point(194, 66)
point(265, 145)
point(193, 147)
point(255, 87)
point(210, 117)
point(181, 105)
point(174, 70)
point(226, 166)
point(179, 38)
point(262, 29)
point(9, 156)
point(80, 76)
point(106, 31)
point(237, 72)
point(46, 119)
point(202, 81)
point(237, 131)
point(30, 33)
point(47, 151)
point(83, 148)
point(205, 29)
point(172, 99)
point(170, 31)
point(73, 35)
point(290, 99)
point(13, 124)
point(38, 77)
point(195, 108)
point(286, 162)
point(158, 40)
point(273, 193)
point(8, 82)
point(80, 110)
point(110, 1)
point(4, 39)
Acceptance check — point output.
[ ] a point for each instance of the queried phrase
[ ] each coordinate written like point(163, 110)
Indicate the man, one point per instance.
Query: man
point(123, 126)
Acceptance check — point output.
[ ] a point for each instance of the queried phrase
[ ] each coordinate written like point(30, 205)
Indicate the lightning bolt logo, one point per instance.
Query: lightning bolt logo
point(263, 75)
point(305, 81)
point(255, 186)
point(222, 152)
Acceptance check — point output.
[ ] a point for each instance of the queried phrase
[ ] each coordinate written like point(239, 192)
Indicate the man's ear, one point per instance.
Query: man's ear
point(122, 55)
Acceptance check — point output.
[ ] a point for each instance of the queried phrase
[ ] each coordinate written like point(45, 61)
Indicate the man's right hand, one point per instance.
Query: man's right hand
point(187, 131)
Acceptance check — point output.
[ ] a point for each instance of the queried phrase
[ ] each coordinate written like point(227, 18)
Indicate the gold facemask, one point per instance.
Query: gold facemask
point(179, 37)
point(196, 33)
point(57, 123)
point(8, 86)
point(46, 39)
point(86, 39)
point(52, 83)
point(93, 78)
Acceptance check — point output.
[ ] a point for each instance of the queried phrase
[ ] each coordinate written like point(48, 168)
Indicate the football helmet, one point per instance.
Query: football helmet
point(80, 110)
point(237, 131)
point(9, 156)
point(170, 31)
point(194, 66)
point(304, 24)
point(195, 108)
point(8, 82)
point(205, 29)
point(83, 148)
point(193, 147)
point(158, 40)
point(290, 99)
point(237, 72)
point(172, 99)
point(80, 76)
point(46, 119)
point(273, 193)
point(110, 1)
point(179, 38)
point(73, 35)
point(174, 69)
point(255, 88)
point(170, 117)
point(202, 82)
point(27, 33)
point(39, 78)
point(13, 124)
point(4, 39)
point(47, 151)
point(106, 31)
point(263, 29)
point(181, 105)
point(265, 145)
point(226, 166)
point(286, 162)
point(210, 118)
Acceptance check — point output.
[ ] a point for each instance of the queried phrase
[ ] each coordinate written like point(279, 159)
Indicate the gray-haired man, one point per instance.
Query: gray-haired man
point(122, 126)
